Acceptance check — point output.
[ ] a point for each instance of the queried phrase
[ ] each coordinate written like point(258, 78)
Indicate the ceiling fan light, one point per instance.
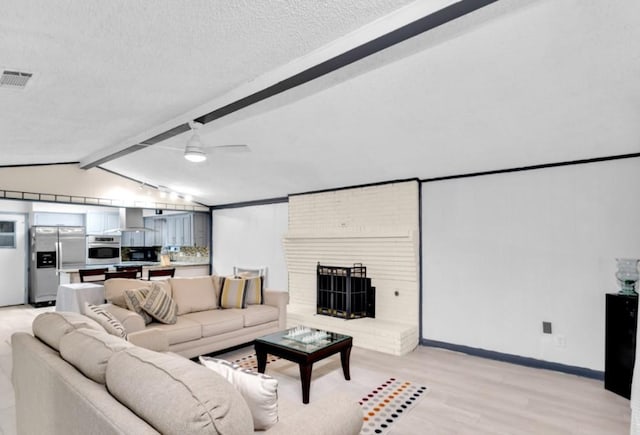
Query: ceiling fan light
point(193, 152)
point(195, 156)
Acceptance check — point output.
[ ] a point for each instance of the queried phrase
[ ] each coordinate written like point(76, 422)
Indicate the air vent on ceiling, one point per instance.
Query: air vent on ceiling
point(14, 79)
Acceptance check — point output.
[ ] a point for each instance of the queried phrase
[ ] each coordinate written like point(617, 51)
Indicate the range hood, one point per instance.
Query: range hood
point(131, 219)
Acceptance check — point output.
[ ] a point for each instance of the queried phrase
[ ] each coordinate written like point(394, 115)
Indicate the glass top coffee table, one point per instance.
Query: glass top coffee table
point(304, 346)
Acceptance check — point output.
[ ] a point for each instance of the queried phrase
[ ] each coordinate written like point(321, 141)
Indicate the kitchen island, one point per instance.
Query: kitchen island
point(183, 269)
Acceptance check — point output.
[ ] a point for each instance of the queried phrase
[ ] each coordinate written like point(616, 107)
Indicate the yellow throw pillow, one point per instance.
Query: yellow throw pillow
point(232, 294)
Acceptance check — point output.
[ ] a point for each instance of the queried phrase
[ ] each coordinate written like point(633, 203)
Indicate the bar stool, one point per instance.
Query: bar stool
point(161, 273)
point(136, 269)
point(131, 274)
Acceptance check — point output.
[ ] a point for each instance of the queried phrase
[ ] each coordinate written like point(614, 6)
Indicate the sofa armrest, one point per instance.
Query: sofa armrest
point(150, 338)
point(131, 320)
point(336, 414)
point(278, 299)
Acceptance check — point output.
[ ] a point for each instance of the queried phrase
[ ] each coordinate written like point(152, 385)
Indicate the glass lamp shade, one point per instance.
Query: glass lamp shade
point(627, 275)
point(193, 151)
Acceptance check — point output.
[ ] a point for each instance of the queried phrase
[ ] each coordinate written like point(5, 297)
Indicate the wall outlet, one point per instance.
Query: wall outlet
point(546, 328)
point(560, 340)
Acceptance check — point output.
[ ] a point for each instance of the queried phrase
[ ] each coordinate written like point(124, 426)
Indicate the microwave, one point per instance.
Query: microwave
point(143, 254)
point(103, 249)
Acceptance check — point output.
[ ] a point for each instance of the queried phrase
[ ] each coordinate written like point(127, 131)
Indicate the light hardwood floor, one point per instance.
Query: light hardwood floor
point(467, 395)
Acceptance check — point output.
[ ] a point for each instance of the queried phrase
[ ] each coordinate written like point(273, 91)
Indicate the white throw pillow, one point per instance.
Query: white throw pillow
point(260, 391)
point(105, 319)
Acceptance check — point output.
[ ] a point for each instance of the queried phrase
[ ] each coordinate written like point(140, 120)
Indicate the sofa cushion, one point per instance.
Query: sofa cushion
point(259, 314)
point(183, 330)
point(159, 305)
point(253, 291)
point(50, 327)
point(134, 299)
point(114, 288)
point(260, 391)
point(201, 402)
point(215, 322)
point(89, 350)
point(105, 319)
point(232, 293)
point(193, 294)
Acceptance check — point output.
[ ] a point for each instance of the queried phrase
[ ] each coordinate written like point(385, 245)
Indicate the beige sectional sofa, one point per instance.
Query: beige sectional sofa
point(201, 327)
point(72, 377)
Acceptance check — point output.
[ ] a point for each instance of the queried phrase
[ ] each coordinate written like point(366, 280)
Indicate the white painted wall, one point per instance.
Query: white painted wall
point(251, 236)
point(502, 253)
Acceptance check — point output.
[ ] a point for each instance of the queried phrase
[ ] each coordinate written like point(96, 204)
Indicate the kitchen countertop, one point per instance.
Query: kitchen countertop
point(144, 264)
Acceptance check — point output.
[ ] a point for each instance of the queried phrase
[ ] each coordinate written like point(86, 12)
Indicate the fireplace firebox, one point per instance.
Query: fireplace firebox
point(345, 292)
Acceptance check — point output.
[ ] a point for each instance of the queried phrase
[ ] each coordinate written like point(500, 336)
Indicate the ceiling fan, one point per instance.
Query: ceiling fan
point(195, 151)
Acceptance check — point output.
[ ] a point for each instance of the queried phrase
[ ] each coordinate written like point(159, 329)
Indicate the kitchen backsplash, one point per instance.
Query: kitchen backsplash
point(190, 254)
point(194, 254)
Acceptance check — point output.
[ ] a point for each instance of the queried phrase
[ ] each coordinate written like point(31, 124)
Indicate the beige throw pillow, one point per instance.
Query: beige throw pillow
point(260, 391)
point(160, 305)
point(105, 319)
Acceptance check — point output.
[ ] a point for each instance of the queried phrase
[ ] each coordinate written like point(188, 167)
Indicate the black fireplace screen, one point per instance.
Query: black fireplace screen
point(345, 292)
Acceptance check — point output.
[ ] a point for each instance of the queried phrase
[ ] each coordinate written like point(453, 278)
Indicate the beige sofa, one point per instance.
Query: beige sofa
point(71, 377)
point(201, 327)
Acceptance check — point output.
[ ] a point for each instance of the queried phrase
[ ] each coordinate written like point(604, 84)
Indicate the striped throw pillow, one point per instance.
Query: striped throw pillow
point(105, 319)
point(253, 291)
point(232, 294)
point(135, 299)
point(160, 306)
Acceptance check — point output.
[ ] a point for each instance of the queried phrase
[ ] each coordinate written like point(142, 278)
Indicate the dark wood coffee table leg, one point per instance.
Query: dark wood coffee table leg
point(261, 357)
point(305, 378)
point(344, 358)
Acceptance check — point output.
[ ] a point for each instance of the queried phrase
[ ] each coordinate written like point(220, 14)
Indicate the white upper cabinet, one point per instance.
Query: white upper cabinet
point(99, 223)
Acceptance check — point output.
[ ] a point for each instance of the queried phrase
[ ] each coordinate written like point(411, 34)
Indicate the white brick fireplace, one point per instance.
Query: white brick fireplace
point(377, 226)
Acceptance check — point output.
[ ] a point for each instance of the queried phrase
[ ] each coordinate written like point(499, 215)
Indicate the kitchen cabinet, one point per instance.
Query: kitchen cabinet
point(99, 223)
point(178, 230)
point(132, 238)
point(59, 219)
point(156, 237)
point(184, 229)
point(201, 229)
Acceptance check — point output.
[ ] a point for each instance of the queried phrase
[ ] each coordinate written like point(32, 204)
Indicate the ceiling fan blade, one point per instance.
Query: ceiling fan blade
point(230, 148)
point(236, 148)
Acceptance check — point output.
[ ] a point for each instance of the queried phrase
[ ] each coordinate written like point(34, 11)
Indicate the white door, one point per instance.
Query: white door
point(13, 259)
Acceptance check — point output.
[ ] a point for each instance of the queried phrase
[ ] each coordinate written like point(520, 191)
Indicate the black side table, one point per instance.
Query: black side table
point(620, 342)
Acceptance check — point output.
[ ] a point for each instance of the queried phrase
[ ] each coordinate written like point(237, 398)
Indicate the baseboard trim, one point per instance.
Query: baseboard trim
point(516, 359)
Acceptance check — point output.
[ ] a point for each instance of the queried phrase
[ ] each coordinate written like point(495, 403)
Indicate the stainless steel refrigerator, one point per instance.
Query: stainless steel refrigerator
point(52, 249)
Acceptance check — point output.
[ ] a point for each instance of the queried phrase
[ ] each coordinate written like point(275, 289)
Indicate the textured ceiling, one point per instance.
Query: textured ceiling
point(516, 83)
point(108, 70)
